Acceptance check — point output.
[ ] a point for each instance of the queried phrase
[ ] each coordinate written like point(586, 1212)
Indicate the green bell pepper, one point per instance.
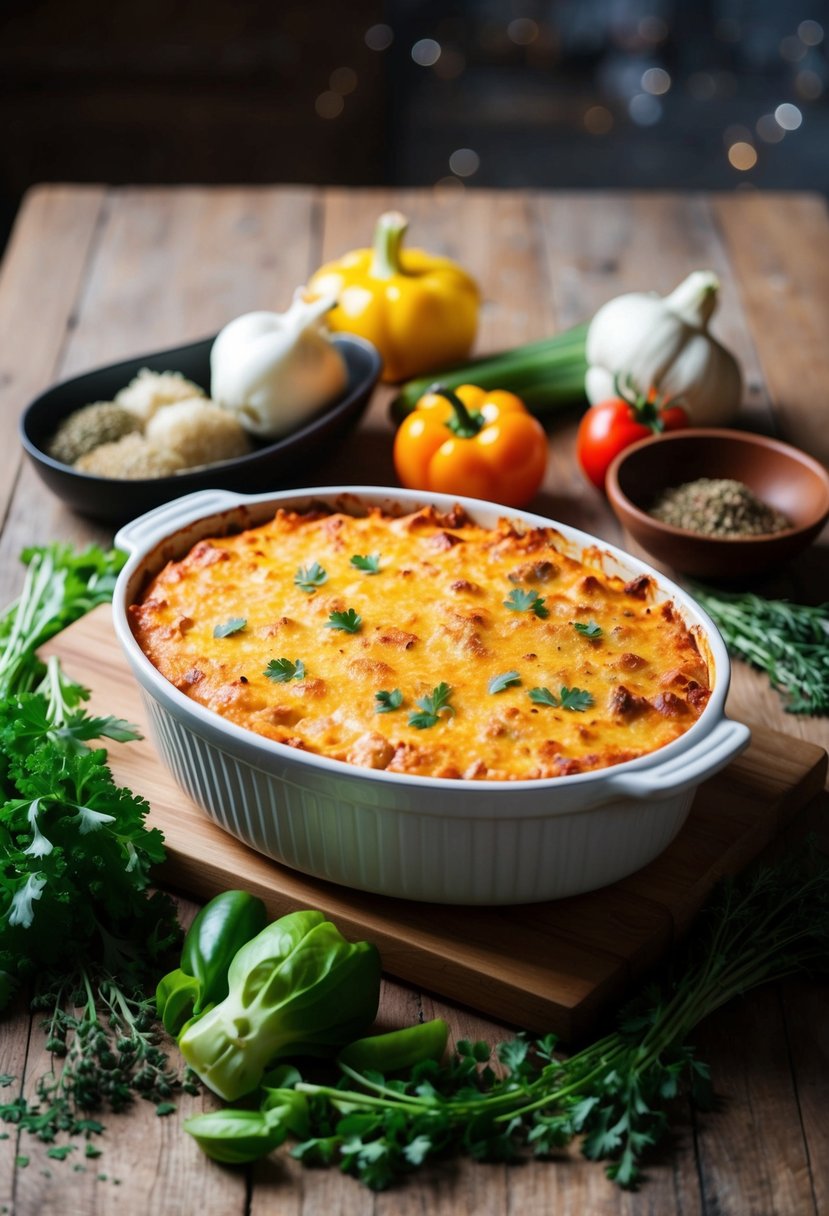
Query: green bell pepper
point(219, 930)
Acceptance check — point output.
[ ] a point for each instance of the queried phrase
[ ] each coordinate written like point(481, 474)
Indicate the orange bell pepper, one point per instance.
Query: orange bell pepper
point(473, 441)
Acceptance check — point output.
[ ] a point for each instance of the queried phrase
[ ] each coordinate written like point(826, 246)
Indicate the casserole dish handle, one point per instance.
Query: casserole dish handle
point(176, 514)
point(690, 768)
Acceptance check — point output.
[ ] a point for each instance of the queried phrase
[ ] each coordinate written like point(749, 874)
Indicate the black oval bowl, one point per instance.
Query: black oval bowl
point(117, 500)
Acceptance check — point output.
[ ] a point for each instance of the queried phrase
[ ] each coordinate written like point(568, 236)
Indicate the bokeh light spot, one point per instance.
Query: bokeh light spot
point(808, 84)
point(656, 80)
point(645, 110)
point(598, 120)
point(769, 129)
point(522, 31)
point(464, 162)
point(810, 32)
point(788, 116)
point(329, 104)
point(379, 37)
point(342, 81)
point(426, 52)
point(742, 156)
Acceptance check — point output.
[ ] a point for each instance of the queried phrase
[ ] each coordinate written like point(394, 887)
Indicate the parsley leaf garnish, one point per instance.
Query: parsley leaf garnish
point(388, 701)
point(526, 601)
point(499, 683)
point(575, 699)
point(590, 630)
point(369, 563)
point(349, 621)
point(283, 670)
point(308, 578)
point(234, 625)
point(431, 707)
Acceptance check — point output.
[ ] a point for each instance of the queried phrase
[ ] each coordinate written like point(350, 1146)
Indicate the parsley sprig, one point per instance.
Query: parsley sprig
point(308, 578)
point(519, 600)
point(234, 625)
point(369, 563)
point(432, 707)
point(590, 630)
point(386, 702)
point(505, 680)
point(349, 621)
point(575, 699)
point(283, 670)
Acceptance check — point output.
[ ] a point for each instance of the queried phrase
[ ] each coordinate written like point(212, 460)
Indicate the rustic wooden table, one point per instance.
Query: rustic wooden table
point(93, 275)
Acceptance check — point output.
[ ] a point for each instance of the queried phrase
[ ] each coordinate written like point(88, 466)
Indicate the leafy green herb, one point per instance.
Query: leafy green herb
point(349, 621)
point(59, 1152)
point(234, 625)
point(526, 601)
point(575, 699)
point(308, 578)
point(590, 630)
point(432, 707)
point(613, 1097)
point(789, 642)
point(368, 563)
point(76, 916)
point(499, 683)
point(283, 670)
point(388, 701)
point(61, 585)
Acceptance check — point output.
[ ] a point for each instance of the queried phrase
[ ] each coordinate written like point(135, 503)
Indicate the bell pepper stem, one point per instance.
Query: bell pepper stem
point(388, 239)
point(462, 423)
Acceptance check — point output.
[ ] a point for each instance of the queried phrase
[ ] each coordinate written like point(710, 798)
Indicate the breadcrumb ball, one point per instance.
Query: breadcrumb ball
point(149, 391)
point(201, 432)
point(88, 427)
point(131, 458)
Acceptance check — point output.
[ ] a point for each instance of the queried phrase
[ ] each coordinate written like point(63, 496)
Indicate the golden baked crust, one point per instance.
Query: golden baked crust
point(452, 603)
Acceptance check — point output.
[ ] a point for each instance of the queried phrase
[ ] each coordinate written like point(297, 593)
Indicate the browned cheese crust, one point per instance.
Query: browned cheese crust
point(438, 611)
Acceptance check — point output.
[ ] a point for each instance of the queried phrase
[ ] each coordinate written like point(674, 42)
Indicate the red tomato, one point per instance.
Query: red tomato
point(613, 425)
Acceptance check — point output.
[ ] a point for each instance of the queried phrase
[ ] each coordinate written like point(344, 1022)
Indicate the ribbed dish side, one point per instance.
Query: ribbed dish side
point(415, 856)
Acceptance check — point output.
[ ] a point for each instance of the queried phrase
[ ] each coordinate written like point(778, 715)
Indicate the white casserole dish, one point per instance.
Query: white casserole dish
point(424, 838)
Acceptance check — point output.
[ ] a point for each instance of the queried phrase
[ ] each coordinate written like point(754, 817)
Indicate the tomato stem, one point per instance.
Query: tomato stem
point(647, 411)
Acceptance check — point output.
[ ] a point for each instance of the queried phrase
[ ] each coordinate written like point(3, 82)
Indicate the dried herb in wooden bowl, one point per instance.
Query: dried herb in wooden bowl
point(717, 506)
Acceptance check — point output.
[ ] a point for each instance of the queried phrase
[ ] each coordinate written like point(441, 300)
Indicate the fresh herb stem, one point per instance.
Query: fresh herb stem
point(614, 1096)
point(789, 642)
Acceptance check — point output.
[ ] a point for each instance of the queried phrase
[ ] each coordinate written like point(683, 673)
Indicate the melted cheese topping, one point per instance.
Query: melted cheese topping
point(436, 612)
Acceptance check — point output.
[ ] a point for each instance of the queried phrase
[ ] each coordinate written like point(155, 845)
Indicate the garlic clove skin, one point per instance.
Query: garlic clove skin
point(665, 344)
point(275, 370)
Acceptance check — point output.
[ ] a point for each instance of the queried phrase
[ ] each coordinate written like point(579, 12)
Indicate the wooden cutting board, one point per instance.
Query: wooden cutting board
point(543, 967)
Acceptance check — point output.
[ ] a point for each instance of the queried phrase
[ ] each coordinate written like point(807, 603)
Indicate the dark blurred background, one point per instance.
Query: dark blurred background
point(713, 94)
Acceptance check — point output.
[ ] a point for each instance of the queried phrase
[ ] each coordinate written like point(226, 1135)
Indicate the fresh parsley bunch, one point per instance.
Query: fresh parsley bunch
point(76, 916)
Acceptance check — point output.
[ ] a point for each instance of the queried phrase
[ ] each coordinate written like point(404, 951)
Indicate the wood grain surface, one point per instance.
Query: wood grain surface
point(95, 274)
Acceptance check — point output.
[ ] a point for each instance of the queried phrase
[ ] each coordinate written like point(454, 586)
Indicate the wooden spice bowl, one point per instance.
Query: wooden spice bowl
point(776, 472)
